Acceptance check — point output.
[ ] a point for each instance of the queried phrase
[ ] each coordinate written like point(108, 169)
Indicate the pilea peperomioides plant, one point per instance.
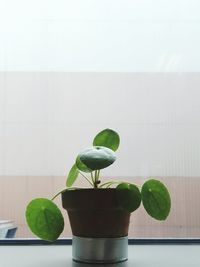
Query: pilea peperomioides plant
point(45, 219)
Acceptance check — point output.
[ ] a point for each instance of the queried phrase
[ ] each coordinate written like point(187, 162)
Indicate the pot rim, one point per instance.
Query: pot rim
point(89, 189)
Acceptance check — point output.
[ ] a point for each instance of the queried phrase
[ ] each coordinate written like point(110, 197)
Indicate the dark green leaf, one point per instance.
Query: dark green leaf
point(44, 219)
point(107, 138)
point(97, 157)
point(156, 199)
point(81, 166)
point(129, 196)
point(73, 174)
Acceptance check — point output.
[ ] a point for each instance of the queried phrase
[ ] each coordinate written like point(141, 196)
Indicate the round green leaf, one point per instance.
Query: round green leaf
point(81, 166)
point(44, 219)
point(129, 196)
point(156, 199)
point(97, 157)
point(107, 138)
point(73, 174)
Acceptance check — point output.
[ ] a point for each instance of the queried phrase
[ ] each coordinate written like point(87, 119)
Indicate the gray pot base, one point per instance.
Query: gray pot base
point(100, 250)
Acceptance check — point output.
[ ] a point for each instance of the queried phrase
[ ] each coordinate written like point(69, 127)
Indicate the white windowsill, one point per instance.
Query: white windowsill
point(139, 256)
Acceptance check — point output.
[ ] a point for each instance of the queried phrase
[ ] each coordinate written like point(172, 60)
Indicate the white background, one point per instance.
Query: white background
point(100, 35)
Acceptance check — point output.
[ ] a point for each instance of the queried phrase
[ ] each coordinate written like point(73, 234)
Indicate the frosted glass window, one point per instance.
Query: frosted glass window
point(71, 68)
point(93, 35)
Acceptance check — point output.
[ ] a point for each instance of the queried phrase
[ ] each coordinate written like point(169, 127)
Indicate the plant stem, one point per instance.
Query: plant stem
point(86, 178)
point(99, 177)
point(96, 175)
point(117, 182)
point(96, 179)
point(109, 183)
point(92, 176)
point(58, 194)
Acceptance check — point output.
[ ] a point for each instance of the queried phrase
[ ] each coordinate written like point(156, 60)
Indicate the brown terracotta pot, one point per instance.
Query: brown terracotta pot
point(95, 213)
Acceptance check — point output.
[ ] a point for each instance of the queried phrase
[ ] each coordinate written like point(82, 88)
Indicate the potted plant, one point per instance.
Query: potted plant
point(99, 215)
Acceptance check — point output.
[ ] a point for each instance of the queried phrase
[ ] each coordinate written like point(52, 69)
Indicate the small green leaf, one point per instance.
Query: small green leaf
point(97, 157)
point(156, 199)
point(129, 196)
point(44, 219)
point(81, 166)
point(107, 138)
point(73, 174)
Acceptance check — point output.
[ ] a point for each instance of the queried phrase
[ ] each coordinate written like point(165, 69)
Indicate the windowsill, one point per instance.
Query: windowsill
point(60, 256)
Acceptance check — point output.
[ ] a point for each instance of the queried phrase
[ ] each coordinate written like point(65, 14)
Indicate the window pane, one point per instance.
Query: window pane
point(47, 118)
point(69, 70)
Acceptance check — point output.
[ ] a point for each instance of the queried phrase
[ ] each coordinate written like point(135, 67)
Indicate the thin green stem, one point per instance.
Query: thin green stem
point(108, 183)
point(96, 175)
point(86, 178)
point(60, 192)
point(95, 179)
point(98, 180)
point(92, 176)
point(115, 182)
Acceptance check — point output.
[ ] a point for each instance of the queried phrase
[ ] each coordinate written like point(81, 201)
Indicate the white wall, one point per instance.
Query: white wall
point(100, 35)
point(47, 118)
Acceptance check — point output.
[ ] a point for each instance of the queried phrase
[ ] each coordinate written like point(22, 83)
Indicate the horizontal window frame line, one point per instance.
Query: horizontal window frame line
point(131, 241)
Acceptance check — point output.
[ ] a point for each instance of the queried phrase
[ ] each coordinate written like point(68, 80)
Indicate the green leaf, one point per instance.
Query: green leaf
point(81, 166)
point(44, 219)
point(156, 199)
point(107, 138)
point(73, 174)
point(129, 196)
point(97, 157)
